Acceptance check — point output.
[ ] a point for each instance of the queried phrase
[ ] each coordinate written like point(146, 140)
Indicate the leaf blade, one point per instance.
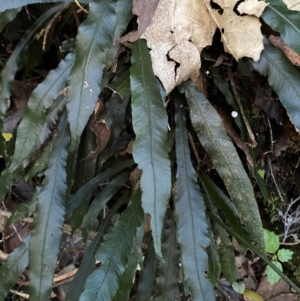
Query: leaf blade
point(49, 218)
point(285, 21)
point(282, 77)
point(212, 135)
point(13, 266)
point(113, 253)
point(190, 212)
point(150, 124)
point(92, 55)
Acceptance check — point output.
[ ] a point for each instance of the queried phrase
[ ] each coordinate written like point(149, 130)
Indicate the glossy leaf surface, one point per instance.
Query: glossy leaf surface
point(283, 78)
point(191, 219)
point(150, 123)
point(113, 254)
point(49, 219)
point(212, 135)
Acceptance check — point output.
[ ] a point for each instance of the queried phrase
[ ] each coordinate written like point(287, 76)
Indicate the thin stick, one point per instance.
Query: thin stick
point(274, 181)
point(50, 23)
point(79, 5)
point(195, 152)
point(238, 100)
point(271, 135)
point(23, 295)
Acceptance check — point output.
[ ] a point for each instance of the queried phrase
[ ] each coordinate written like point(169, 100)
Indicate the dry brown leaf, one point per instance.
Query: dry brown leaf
point(145, 10)
point(102, 133)
point(251, 7)
point(180, 30)
point(241, 35)
point(292, 4)
point(268, 291)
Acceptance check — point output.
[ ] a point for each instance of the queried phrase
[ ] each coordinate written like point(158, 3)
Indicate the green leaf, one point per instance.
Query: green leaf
point(100, 200)
point(150, 124)
point(273, 277)
point(7, 16)
point(88, 262)
point(127, 278)
point(261, 173)
point(35, 114)
point(168, 271)
point(216, 197)
point(271, 241)
point(239, 287)
point(147, 274)
point(282, 77)
point(75, 200)
point(85, 172)
point(191, 219)
point(226, 254)
point(49, 219)
point(226, 257)
point(13, 266)
point(214, 267)
point(41, 162)
point(284, 21)
point(94, 51)
point(113, 253)
point(219, 198)
point(120, 84)
point(212, 135)
point(284, 255)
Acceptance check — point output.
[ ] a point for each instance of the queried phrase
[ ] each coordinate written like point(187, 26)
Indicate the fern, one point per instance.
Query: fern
point(113, 254)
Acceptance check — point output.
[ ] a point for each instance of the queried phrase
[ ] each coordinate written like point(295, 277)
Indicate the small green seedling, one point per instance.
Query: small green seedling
point(278, 256)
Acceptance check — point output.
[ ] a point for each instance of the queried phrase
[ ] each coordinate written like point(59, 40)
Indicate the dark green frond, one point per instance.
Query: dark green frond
point(284, 21)
point(94, 51)
point(191, 219)
point(168, 271)
point(150, 123)
point(88, 263)
point(147, 274)
point(75, 200)
point(13, 266)
point(283, 78)
point(100, 201)
point(49, 218)
point(113, 254)
point(212, 135)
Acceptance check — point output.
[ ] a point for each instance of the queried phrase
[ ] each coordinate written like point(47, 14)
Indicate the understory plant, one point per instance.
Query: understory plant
point(104, 129)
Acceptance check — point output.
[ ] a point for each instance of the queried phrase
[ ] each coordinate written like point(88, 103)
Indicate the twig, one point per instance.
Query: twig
point(23, 295)
point(290, 219)
point(271, 136)
point(195, 152)
point(79, 5)
point(274, 181)
point(65, 276)
point(238, 100)
point(50, 23)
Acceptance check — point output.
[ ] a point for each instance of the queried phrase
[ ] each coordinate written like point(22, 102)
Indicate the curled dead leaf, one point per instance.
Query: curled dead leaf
point(180, 30)
point(102, 133)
